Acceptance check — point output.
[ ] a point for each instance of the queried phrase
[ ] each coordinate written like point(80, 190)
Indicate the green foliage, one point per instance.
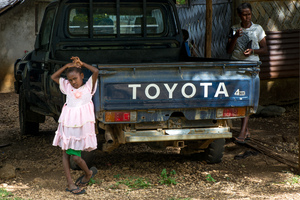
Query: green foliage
point(5, 195)
point(93, 181)
point(80, 18)
point(117, 176)
point(293, 180)
point(181, 2)
point(131, 182)
point(209, 178)
point(167, 179)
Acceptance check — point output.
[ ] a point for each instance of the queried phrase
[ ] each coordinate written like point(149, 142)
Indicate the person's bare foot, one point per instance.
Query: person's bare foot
point(243, 137)
point(86, 178)
point(75, 189)
point(83, 180)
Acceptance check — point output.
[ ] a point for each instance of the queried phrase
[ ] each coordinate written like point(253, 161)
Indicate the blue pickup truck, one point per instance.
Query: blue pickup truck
point(149, 90)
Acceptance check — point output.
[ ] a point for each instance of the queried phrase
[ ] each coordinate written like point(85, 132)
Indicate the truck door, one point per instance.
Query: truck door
point(39, 66)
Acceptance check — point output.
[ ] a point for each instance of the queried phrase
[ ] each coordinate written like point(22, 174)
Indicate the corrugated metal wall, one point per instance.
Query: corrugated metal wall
point(192, 18)
point(283, 58)
point(281, 21)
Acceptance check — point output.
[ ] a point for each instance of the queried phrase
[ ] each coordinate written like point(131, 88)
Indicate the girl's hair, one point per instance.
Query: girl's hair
point(243, 6)
point(73, 69)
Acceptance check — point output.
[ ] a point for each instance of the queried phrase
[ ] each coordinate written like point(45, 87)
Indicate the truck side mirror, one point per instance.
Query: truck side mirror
point(37, 42)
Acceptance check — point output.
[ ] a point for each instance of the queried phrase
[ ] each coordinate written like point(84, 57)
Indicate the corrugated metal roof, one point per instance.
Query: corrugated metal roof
point(7, 4)
point(283, 57)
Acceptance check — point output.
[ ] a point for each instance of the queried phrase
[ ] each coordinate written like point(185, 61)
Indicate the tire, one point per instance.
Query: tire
point(27, 127)
point(88, 157)
point(214, 152)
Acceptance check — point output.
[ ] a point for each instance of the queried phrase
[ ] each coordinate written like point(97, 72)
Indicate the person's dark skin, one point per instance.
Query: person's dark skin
point(76, 80)
point(245, 17)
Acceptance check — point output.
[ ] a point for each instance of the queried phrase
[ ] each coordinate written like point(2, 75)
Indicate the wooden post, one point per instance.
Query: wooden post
point(208, 31)
point(299, 123)
point(236, 18)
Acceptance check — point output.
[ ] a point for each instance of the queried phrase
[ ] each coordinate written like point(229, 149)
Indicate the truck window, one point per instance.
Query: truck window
point(131, 21)
point(46, 28)
point(78, 21)
point(105, 21)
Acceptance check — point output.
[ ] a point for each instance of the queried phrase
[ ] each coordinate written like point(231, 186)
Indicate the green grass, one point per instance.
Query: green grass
point(132, 182)
point(95, 181)
point(209, 178)
point(167, 178)
point(293, 180)
point(5, 195)
point(141, 183)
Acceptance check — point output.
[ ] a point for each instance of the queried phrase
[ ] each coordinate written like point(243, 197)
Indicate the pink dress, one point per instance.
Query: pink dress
point(76, 129)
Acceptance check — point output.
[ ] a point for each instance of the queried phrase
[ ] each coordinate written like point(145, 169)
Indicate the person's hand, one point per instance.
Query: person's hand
point(248, 52)
point(72, 64)
point(239, 33)
point(76, 61)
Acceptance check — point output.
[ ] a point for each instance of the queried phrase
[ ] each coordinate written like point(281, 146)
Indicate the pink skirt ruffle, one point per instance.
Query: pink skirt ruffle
point(79, 138)
point(77, 116)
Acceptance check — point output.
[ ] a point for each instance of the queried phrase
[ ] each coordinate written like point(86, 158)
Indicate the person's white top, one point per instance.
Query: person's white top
point(250, 39)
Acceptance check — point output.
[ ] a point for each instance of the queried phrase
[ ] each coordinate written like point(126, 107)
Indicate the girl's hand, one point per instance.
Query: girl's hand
point(76, 61)
point(72, 64)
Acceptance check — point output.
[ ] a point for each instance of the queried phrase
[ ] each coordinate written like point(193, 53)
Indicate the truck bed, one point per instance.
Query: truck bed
point(183, 86)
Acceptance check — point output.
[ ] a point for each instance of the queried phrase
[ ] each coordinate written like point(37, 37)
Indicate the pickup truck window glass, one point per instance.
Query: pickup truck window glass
point(105, 21)
point(78, 21)
point(46, 28)
point(132, 21)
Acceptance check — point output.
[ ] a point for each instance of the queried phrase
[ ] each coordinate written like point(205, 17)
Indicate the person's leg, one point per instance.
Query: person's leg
point(244, 129)
point(66, 166)
point(82, 164)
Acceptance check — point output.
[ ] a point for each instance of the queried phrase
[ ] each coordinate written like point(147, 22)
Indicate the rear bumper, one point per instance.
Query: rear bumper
point(177, 134)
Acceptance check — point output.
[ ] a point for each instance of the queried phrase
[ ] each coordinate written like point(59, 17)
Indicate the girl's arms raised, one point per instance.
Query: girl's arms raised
point(76, 63)
point(94, 75)
point(89, 67)
point(56, 75)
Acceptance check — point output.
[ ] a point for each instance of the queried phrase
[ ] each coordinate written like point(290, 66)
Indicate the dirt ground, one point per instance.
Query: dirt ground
point(39, 172)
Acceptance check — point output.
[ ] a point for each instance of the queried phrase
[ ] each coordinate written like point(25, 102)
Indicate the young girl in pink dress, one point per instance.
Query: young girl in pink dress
point(76, 129)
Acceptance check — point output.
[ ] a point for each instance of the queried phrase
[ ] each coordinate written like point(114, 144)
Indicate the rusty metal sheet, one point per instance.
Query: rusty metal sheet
point(283, 58)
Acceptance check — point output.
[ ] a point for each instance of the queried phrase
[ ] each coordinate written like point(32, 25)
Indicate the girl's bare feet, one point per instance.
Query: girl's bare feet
point(75, 189)
point(85, 179)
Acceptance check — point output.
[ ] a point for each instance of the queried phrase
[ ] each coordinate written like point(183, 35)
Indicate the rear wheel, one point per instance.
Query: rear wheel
point(214, 152)
point(27, 126)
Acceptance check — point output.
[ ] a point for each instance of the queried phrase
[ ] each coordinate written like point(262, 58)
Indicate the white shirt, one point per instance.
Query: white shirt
point(255, 34)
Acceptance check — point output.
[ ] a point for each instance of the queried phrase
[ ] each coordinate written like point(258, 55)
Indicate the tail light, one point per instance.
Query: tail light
point(231, 112)
point(120, 116)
